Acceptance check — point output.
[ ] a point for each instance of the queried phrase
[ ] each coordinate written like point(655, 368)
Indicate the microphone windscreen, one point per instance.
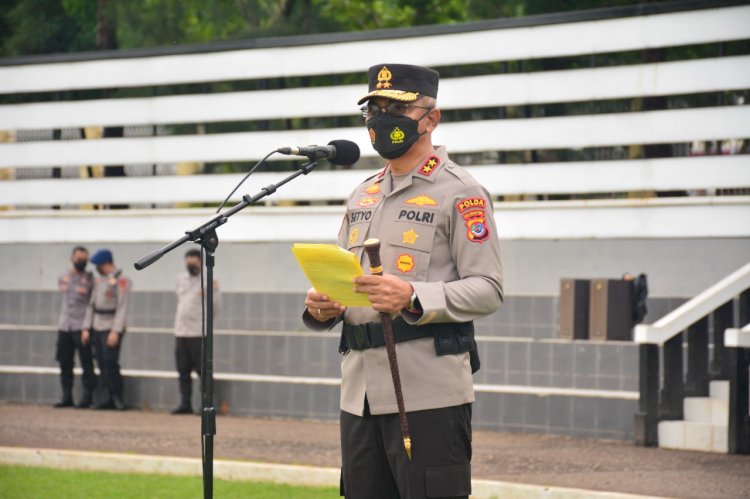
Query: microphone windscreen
point(347, 152)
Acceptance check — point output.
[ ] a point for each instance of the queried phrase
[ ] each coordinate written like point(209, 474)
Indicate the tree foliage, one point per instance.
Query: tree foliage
point(55, 26)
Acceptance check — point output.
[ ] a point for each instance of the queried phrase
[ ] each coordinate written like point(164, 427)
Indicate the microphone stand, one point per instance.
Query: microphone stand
point(205, 235)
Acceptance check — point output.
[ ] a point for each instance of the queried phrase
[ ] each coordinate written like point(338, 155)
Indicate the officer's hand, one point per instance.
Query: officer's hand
point(112, 339)
point(387, 293)
point(85, 336)
point(320, 307)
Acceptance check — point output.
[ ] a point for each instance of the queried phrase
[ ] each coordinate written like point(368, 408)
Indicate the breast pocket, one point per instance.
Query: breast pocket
point(408, 247)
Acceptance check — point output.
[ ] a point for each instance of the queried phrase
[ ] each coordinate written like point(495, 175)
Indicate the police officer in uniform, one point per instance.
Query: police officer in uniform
point(188, 326)
point(104, 325)
point(442, 270)
point(75, 290)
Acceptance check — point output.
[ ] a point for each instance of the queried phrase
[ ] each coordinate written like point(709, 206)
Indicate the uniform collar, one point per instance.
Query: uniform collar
point(426, 169)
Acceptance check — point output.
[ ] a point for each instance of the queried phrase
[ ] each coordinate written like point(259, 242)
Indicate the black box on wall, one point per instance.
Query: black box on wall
point(611, 310)
point(574, 309)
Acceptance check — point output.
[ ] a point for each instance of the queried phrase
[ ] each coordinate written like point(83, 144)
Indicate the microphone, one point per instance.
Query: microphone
point(339, 152)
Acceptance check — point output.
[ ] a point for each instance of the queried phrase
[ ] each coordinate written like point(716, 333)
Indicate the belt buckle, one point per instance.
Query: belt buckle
point(361, 337)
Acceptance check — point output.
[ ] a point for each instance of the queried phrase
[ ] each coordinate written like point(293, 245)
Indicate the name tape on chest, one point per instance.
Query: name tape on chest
point(360, 216)
point(427, 217)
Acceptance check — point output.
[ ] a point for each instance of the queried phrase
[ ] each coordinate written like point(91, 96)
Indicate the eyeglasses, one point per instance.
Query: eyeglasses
point(392, 107)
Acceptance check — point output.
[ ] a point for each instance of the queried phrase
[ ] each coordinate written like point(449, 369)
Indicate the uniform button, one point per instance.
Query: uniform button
point(449, 165)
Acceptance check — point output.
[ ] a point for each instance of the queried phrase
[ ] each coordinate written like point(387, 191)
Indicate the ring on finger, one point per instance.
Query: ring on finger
point(319, 312)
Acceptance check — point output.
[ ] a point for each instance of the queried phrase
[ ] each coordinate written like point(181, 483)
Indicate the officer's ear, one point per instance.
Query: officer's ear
point(432, 119)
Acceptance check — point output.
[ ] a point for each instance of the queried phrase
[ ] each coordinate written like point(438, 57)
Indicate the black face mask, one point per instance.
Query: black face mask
point(193, 270)
point(392, 135)
point(80, 265)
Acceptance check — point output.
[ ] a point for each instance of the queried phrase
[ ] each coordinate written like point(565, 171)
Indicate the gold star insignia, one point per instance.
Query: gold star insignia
point(410, 237)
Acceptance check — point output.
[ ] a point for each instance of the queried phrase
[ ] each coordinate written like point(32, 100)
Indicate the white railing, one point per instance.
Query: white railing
point(643, 80)
point(693, 173)
point(695, 309)
point(700, 217)
point(569, 132)
point(632, 218)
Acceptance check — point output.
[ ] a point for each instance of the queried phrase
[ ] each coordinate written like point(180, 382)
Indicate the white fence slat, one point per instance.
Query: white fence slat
point(670, 126)
point(679, 77)
point(691, 173)
point(644, 218)
point(568, 39)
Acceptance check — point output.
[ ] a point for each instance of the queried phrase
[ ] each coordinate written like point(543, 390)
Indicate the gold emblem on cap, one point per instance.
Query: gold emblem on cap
point(384, 78)
point(397, 136)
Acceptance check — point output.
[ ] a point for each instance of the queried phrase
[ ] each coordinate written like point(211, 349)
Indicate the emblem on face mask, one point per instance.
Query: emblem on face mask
point(353, 236)
point(372, 135)
point(429, 166)
point(410, 237)
point(397, 136)
point(405, 263)
point(384, 78)
point(422, 200)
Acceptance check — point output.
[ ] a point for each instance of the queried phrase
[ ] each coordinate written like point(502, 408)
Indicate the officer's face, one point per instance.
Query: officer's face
point(193, 265)
point(79, 259)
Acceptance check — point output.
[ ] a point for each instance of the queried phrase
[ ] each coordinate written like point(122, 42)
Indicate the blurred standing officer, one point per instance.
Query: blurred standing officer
point(104, 325)
point(188, 326)
point(441, 260)
point(75, 289)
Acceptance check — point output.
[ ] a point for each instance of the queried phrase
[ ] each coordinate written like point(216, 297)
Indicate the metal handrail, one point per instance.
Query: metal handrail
point(700, 306)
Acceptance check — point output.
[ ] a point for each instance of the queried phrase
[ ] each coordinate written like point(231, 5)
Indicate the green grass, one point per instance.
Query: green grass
point(29, 483)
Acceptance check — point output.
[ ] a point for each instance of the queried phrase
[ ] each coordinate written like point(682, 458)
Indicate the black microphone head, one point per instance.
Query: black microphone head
point(347, 152)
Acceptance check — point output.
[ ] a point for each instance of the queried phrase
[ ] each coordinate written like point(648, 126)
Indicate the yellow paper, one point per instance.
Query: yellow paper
point(331, 270)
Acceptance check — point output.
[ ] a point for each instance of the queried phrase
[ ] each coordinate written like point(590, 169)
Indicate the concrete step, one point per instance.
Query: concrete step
point(706, 410)
point(719, 389)
point(688, 435)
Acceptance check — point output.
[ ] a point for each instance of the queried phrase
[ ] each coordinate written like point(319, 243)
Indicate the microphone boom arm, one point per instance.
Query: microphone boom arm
point(220, 219)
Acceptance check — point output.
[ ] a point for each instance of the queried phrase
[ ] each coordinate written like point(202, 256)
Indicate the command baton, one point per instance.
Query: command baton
point(372, 246)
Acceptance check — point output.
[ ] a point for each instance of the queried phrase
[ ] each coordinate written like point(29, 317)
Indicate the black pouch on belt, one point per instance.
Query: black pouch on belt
point(455, 342)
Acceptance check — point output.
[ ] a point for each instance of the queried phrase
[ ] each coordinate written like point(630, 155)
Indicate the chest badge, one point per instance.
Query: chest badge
point(367, 201)
point(422, 200)
point(429, 166)
point(353, 236)
point(373, 189)
point(405, 263)
point(410, 237)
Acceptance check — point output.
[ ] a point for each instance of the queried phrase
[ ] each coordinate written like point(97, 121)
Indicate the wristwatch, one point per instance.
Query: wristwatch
point(414, 306)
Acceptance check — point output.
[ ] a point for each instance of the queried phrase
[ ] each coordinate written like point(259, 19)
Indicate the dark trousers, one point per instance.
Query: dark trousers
point(108, 360)
point(187, 355)
point(375, 465)
point(67, 344)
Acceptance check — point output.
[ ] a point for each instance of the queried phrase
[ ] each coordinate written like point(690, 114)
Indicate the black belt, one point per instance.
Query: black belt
point(105, 312)
point(370, 335)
